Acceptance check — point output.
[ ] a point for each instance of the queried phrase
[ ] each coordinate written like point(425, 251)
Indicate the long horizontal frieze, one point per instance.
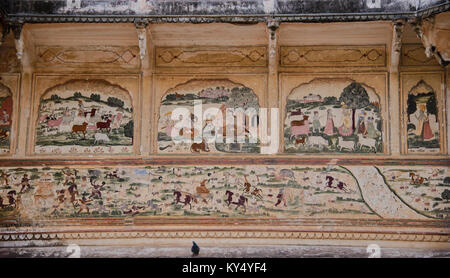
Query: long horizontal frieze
point(192, 160)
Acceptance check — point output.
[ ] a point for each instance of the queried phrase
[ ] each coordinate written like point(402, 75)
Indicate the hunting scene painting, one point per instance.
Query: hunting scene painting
point(332, 191)
point(422, 119)
point(6, 109)
point(333, 115)
point(209, 133)
point(84, 117)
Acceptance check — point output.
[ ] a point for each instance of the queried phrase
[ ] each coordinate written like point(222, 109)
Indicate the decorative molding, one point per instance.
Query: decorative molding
point(331, 56)
point(211, 56)
point(246, 17)
point(207, 160)
point(48, 235)
point(87, 56)
point(414, 55)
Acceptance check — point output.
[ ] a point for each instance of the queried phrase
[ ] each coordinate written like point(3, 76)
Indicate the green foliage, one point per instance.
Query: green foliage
point(77, 95)
point(355, 96)
point(115, 102)
point(95, 97)
point(55, 97)
point(330, 101)
point(171, 97)
point(128, 129)
point(412, 105)
point(446, 194)
point(432, 105)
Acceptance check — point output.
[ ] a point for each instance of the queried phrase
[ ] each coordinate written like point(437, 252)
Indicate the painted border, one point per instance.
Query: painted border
point(212, 48)
point(334, 64)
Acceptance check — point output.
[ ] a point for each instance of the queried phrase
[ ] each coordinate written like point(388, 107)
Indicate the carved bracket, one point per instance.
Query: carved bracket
point(397, 36)
point(425, 37)
point(273, 25)
point(397, 44)
point(142, 37)
point(17, 32)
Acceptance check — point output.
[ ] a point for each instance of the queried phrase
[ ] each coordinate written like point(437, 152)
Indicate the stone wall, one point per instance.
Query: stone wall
point(91, 152)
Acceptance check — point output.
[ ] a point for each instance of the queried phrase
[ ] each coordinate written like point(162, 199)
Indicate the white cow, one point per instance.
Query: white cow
point(369, 142)
point(101, 137)
point(346, 144)
point(317, 140)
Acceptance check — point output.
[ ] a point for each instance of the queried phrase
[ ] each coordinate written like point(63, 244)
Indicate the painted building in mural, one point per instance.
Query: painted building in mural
point(158, 123)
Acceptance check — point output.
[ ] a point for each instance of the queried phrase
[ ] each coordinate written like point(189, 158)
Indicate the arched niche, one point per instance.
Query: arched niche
point(422, 123)
point(83, 116)
point(214, 133)
point(333, 115)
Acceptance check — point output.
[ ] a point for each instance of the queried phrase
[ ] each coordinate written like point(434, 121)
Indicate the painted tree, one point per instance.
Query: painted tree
point(446, 195)
point(354, 96)
point(95, 97)
point(113, 101)
point(411, 106)
point(128, 130)
point(432, 106)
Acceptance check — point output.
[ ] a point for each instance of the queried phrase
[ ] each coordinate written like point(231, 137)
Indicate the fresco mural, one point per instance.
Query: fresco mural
point(6, 109)
point(422, 122)
point(85, 116)
point(226, 191)
point(425, 190)
point(335, 115)
point(213, 94)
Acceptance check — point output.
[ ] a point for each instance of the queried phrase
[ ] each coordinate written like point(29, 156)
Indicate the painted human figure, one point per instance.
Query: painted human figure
point(371, 130)
point(346, 128)
point(83, 205)
point(420, 120)
point(25, 183)
point(281, 197)
point(209, 131)
point(329, 127)
point(427, 133)
point(316, 122)
point(361, 127)
point(80, 108)
point(5, 118)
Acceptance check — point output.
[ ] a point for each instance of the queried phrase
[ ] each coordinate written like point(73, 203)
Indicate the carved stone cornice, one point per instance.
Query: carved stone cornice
point(247, 17)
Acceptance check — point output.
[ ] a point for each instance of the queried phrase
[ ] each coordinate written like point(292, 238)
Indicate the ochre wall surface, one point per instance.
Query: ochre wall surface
point(87, 154)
